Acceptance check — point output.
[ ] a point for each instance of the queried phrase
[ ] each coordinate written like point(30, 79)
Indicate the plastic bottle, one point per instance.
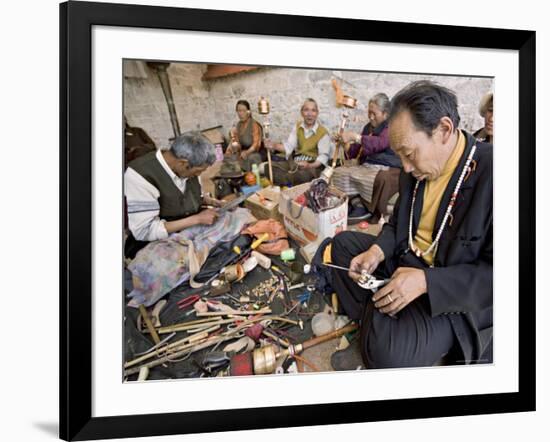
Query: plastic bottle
point(256, 171)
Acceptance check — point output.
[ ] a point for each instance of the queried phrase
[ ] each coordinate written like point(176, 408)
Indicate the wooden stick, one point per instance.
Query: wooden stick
point(280, 341)
point(236, 312)
point(306, 362)
point(149, 324)
point(329, 336)
point(192, 325)
point(143, 374)
point(270, 166)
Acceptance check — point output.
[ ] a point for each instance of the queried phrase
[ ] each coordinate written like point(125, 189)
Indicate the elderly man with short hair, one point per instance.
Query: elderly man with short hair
point(307, 149)
point(436, 250)
point(163, 191)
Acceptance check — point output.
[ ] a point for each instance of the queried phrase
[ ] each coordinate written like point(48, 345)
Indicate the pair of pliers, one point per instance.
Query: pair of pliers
point(188, 302)
point(370, 282)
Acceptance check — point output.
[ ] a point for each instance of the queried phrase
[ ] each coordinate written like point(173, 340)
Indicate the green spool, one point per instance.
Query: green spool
point(288, 255)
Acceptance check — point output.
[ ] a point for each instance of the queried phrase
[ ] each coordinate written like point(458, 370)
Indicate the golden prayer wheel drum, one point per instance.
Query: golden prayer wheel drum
point(265, 359)
point(263, 106)
point(348, 102)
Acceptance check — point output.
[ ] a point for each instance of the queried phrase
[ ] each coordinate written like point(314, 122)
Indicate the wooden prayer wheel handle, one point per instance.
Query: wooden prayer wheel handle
point(270, 166)
point(335, 155)
point(343, 123)
point(265, 358)
point(329, 336)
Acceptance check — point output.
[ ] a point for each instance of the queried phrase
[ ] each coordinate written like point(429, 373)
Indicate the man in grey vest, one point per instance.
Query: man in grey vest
point(163, 191)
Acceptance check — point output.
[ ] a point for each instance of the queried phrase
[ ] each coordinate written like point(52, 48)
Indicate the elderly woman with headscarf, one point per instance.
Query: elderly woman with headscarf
point(485, 134)
point(375, 180)
point(170, 232)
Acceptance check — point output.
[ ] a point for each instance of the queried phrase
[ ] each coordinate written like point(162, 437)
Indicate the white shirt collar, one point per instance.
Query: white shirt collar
point(166, 167)
point(310, 129)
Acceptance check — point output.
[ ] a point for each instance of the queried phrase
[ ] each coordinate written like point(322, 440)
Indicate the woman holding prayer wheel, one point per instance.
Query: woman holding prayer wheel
point(376, 177)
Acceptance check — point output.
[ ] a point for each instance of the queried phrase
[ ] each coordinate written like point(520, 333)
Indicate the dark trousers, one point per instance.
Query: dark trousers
point(132, 246)
point(287, 173)
point(386, 185)
point(411, 339)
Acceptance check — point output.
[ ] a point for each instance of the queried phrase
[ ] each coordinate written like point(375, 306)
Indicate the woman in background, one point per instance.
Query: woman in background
point(246, 138)
point(486, 111)
point(376, 179)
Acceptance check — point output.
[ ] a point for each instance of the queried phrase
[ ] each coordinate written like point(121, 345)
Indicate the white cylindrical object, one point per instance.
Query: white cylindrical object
point(250, 264)
point(143, 373)
point(322, 324)
point(263, 260)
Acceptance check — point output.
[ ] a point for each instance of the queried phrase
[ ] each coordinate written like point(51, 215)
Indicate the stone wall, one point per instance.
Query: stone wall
point(203, 104)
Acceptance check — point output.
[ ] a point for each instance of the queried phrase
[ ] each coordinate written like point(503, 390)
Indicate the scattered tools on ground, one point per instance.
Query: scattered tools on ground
point(256, 323)
point(187, 302)
point(263, 260)
point(236, 271)
point(154, 315)
point(297, 286)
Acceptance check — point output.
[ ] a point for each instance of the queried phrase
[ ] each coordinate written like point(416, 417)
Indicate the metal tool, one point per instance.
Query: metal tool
point(366, 281)
point(234, 203)
point(340, 268)
point(187, 302)
point(373, 284)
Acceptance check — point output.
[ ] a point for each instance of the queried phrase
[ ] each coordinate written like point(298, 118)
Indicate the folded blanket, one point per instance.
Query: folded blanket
point(163, 265)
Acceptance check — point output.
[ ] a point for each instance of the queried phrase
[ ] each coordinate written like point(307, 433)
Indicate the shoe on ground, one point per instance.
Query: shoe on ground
point(358, 214)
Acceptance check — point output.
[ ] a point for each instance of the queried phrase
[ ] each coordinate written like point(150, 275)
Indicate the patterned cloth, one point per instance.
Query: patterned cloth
point(163, 265)
point(357, 180)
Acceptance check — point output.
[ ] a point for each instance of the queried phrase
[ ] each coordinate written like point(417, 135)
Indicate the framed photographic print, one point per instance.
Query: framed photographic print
point(198, 230)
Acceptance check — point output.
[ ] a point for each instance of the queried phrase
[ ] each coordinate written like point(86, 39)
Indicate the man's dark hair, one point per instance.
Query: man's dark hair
point(427, 103)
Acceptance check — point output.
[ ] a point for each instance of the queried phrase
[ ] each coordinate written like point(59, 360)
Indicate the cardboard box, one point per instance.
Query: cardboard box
point(264, 204)
point(214, 134)
point(305, 226)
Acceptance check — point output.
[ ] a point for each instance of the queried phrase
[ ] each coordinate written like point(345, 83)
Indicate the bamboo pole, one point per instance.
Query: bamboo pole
point(236, 312)
point(184, 326)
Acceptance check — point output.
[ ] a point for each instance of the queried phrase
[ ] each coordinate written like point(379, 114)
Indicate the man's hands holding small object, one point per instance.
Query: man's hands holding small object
point(405, 285)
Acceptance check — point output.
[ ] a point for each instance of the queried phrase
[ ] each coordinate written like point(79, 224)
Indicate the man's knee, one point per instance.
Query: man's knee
point(340, 251)
point(380, 352)
point(388, 346)
point(347, 245)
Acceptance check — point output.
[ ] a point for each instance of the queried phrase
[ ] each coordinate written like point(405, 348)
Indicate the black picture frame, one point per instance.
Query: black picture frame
point(76, 21)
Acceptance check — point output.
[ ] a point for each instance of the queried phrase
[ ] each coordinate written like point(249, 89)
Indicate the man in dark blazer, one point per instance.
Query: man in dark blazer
point(439, 300)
